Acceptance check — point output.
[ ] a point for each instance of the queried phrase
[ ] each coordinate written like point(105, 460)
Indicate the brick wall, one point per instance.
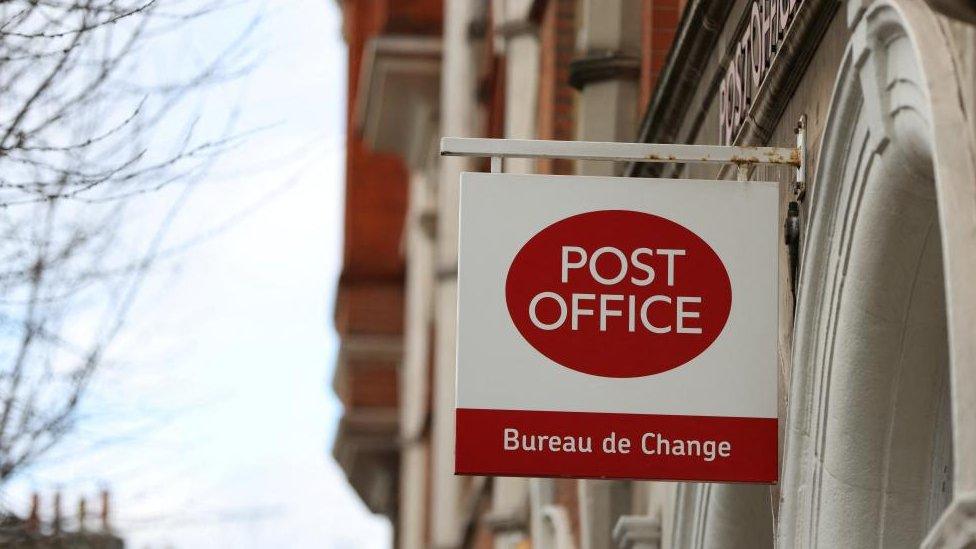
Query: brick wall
point(557, 99)
point(369, 306)
point(374, 385)
point(660, 20)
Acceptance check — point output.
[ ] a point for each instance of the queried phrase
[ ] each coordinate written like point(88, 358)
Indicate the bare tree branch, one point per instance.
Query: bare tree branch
point(84, 129)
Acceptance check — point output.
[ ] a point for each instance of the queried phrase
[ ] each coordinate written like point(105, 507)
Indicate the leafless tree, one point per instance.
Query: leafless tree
point(85, 126)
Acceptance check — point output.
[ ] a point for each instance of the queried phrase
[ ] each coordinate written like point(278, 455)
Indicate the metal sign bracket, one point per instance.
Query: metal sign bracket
point(741, 157)
point(800, 185)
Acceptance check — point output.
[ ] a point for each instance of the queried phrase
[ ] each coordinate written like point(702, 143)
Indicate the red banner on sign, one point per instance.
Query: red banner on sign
point(608, 445)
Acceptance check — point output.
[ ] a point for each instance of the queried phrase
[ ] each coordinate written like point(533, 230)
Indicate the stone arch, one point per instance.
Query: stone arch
point(883, 362)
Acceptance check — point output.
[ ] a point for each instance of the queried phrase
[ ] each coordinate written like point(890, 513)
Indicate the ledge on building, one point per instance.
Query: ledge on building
point(398, 95)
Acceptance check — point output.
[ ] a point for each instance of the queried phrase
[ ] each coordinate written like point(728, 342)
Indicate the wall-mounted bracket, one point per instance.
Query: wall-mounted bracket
point(742, 157)
point(800, 186)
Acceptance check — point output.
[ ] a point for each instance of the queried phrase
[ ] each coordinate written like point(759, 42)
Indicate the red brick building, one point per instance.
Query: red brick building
point(370, 293)
point(526, 71)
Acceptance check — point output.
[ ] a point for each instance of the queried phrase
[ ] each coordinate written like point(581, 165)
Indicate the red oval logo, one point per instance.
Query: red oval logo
point(618, 293)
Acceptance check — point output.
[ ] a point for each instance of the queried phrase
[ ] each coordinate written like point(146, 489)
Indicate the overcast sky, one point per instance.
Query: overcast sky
point(213, 426)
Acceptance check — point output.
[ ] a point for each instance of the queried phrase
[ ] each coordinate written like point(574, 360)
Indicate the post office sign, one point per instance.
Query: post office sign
point(617, 328)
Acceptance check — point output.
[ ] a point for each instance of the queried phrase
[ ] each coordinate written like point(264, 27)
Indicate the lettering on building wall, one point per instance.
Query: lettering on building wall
point(770, 22)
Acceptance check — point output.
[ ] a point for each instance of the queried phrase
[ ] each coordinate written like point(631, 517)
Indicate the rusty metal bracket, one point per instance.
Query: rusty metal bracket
point(741, 157)
point(800, 184)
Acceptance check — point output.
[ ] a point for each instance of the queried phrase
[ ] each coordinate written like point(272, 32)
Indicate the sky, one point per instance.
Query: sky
point(213, 424)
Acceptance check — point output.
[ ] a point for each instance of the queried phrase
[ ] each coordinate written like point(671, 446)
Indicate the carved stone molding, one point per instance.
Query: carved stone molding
point(895, 131)
point(956, 528)
point(509, 520)
point(601, 66)
point(557, 532)
point(637, 532)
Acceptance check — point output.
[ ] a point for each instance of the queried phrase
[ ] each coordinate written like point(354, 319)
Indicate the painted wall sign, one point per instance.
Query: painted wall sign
point(617, 328)
point(768, 26)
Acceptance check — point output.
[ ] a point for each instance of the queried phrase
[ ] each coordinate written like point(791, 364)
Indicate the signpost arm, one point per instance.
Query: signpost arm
point(620, 152)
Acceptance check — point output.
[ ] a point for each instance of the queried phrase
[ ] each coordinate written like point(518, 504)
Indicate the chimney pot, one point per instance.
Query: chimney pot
point(105, 511)
point(33, 520)
point(56, 523)
point(82, 513)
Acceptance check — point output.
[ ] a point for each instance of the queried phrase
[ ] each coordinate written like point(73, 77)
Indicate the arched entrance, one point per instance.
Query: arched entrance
point(877, 355)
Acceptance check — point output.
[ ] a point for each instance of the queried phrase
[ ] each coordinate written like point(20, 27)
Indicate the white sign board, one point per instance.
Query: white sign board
point(617, 328)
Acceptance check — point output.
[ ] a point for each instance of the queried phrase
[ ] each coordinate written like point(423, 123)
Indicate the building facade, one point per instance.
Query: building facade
point(877, 308)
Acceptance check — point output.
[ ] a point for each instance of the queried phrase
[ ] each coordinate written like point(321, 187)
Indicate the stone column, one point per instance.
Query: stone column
point(458, 119)
point(606, 72)
point(516, 39)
